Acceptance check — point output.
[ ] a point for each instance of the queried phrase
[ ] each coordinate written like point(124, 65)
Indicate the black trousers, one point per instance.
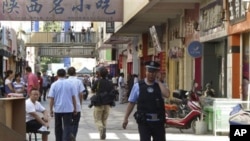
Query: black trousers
point(155, 129)
point(33, 125)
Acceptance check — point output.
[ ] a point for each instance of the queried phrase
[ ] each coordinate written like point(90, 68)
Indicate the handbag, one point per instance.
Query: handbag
point(96, 100)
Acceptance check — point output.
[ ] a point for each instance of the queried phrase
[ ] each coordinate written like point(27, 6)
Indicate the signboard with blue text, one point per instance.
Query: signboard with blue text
point(195, 49)
point(61, 10)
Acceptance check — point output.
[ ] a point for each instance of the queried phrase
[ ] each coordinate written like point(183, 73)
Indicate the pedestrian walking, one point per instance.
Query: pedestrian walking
point(101, 112)
point(62, 96)
point(150, 115)
point(32, 80)
point(40, 82)
point(122, 89)
point(62, 36)
point(88, 34)
point(35, 123)
point(71, 34)
point(83, 32)
point(78, 85)
point(52, 78)
point(45, 85)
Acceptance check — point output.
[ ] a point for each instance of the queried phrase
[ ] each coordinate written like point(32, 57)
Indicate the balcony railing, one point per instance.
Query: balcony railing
point(61, 37)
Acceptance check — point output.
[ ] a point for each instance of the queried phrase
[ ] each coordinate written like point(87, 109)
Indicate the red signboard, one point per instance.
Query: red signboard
point(61, 10)
point(163, 62)
point(120, 61)
point(161, 58)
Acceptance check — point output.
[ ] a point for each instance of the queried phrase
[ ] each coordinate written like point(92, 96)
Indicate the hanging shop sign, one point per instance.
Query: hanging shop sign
point(120, 61)
point(176, 53)
point(161, 58)
point(212, 16)
point(110, 27)
point(155, 39)
point(237, 12)
point(61, 10)
point(195, 49)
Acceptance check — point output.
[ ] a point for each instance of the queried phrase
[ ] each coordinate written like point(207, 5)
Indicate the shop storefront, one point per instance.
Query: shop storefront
point(238, 48)
point(213, 36)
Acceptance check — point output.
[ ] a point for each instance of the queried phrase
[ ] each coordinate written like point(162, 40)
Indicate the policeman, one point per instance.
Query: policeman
point(148, 94)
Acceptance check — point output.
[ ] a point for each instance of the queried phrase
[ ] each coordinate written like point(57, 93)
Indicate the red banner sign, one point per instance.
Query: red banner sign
point(120, 61)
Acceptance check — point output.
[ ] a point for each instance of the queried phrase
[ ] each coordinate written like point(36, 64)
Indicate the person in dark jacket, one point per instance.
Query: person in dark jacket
point(148, 94)
point(101, 112)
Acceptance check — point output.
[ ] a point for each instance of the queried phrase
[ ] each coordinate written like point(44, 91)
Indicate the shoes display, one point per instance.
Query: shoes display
point(43, 130)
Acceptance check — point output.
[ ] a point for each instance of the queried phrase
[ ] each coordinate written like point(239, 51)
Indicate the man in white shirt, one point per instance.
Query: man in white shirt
point(114, 81)
point(35, 123)
point(79, 98)
point(122, 90)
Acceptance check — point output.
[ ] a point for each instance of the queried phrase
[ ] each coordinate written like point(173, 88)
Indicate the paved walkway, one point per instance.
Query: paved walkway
point(88, 132)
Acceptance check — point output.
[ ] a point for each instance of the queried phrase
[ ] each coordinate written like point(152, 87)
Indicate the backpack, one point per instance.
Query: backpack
point(103, 98)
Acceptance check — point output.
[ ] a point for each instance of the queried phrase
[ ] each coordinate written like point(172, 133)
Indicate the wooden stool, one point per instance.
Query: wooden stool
point(30, 135)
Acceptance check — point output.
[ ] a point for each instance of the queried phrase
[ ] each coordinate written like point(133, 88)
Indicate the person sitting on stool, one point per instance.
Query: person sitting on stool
point(34, 123)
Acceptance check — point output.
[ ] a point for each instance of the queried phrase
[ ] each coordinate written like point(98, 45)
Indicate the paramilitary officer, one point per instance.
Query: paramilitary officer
point(148, 94)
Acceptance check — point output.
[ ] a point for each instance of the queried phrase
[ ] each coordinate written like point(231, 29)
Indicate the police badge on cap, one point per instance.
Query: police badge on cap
point(152, 66)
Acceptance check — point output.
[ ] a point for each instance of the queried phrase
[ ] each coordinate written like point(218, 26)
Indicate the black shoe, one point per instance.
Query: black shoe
point(103, 134)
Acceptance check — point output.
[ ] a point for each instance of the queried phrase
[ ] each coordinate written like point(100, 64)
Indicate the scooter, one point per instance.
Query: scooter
point(190, 119)
point(176, 106)
point(184, 123)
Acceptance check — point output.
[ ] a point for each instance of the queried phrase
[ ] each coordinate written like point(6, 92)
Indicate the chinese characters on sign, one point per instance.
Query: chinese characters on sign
point(61, 10)
point(237, 12)
point(110, 27)
point(155, 39)
point(212, 16)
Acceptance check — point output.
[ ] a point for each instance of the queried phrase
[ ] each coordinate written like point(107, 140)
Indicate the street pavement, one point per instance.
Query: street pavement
point(88, 132)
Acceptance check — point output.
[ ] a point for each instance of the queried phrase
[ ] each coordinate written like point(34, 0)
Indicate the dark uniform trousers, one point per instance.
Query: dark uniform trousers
point(155, 129)
point(150, 114)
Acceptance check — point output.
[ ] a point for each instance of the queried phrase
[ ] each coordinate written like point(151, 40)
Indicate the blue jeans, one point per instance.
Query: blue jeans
point(63, 126)
point(75, 124)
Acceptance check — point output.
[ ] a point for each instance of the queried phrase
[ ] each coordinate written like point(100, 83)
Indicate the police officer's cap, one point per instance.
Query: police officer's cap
point(152, 66)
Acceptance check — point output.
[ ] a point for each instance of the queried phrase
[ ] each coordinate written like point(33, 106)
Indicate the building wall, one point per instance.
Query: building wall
point(192, 69)
point(238, 47)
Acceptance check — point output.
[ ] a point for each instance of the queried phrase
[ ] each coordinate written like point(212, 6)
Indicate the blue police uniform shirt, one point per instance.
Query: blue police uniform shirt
point(134, 94)
point(62, 92)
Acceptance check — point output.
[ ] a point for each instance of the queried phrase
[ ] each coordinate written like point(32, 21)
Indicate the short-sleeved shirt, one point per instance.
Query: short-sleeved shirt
point(32, 107)
point(62, 91)
point(121, 82)
point(45, 80)
point(32, 82)
point(40, 81)
point(79, 87)
point(18, 86)
point(6, 87)
point(114, 80)
point(134, 94)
